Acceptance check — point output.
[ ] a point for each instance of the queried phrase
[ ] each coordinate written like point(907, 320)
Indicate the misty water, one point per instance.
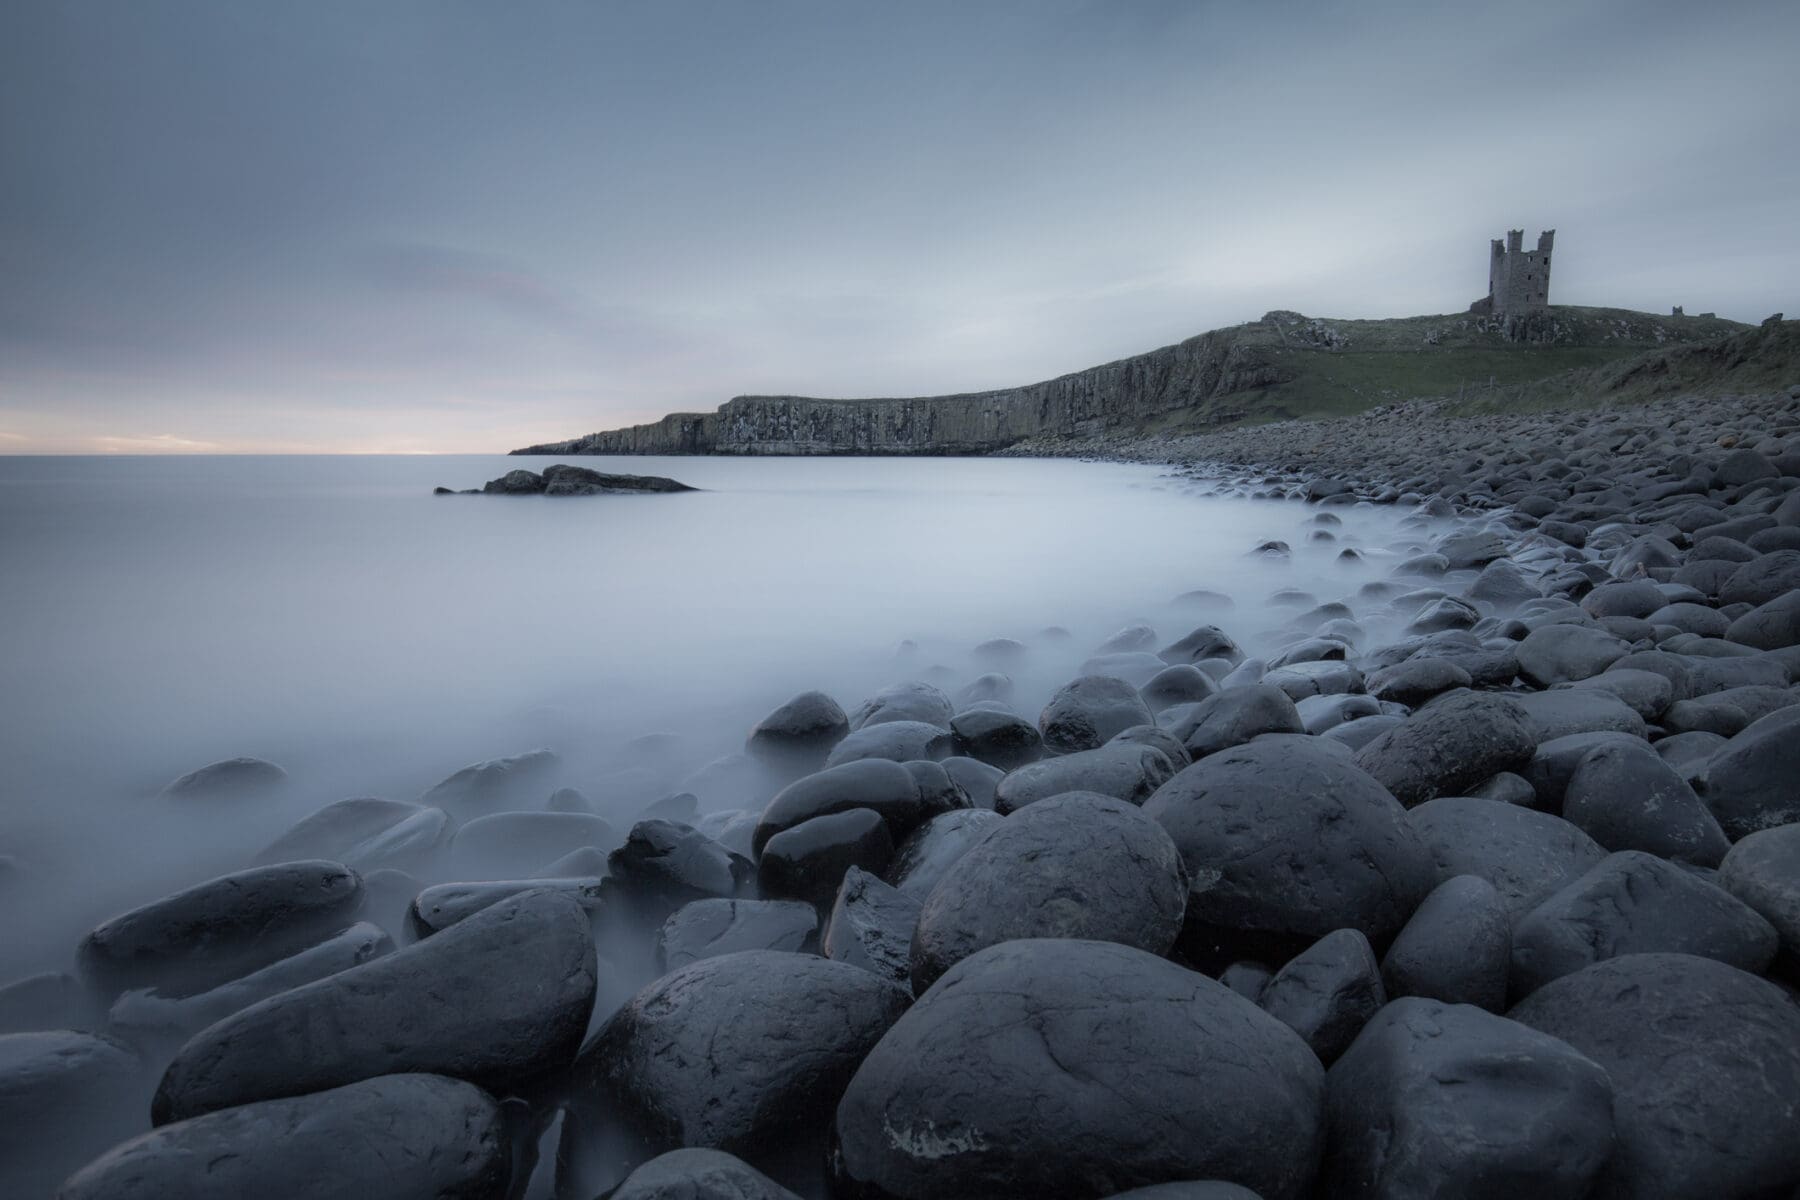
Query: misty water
point(332, 615)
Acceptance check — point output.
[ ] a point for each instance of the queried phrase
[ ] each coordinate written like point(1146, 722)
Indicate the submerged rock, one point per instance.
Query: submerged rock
point(64, 1097)
point(228, 779)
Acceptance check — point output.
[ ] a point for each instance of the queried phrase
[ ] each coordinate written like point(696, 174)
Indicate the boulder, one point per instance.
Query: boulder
point(437, 908)
point(439, 1139)
point(1208, 641)
point(1327, 992)
point(1085, 713)
point(808, 862)
point(742, 1050)
point(1552, 654)
point(214, 932)
point(930, 849)
point(698, 1174)
point(64, 1097)
point(1449, 746)
point(1436, 1099)
point(888, 788)
point(663, 865)
point(1721, 1122)
point(1079, 1069)
point(1525, 854)
point(228, 779)
point(898, 741)
point(708, 928)
point(1118, 769)
point(1456, 948)
point(905, 702)
point(1001, 739)
point(493, 785)
point(795, 738)
point(1559, 713)
point(363, 834)
point(1749, 782)
point(1772, 625)
point(500, 999)
point(1625, 797)
point(1762, 579)
point(1232, 718)
point(871, 926)
point(1417, 680)
point(1080, 865)
point(1284, 842)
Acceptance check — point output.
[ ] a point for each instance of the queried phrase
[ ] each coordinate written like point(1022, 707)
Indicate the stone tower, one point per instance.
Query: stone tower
point(1518, 279)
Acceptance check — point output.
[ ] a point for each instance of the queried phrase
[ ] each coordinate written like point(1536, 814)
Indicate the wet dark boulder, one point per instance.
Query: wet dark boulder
point(228, 779)
point(1525, 854)
point(442, 905)
point(1749, 782)
point(1728, 712)
point(1449, 746)
point(708, 928)
point(976, 779)
point(1158, 1074)
point(1635, 903)
point(871, 926)
point(1179, 684)
point(1564, 711)
point(796, 737)
point(1772, 625)
point(698, 1174)
point(1623, 598)
point(1323, 677)
point(1080, 865)
point(1085, 713)
point(1001, 739)
point(1626, 797)
point(1284, 842)
point(500, 999)
point(216, 931)
point(1232, 718)
point(929, 850)
point(905, 702)
point(509, 845)
point(896, 741)
point(1118, 769)
point(1763, 870)
point(887, 787)
point(1553, 763)
point(663, 865)
point(364, 834)
point(742, 1050)
point(808, 862)
point(1719, 1124)
point(1762, 579)
point(1456, 947)
point(1436, 1099)
point(1158, 739)
point(64, 1097)
point(1327, 992)
point(499, 783)
point(1552, 654)
point(1208, 641)
point(1417, 680)
point(439, 1139)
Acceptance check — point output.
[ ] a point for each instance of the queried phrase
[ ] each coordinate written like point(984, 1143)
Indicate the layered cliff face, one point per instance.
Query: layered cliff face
point(1281, 366)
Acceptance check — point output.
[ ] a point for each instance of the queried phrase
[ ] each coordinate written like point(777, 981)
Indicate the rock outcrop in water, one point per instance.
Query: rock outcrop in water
point(564, 480)
point(1285, 364)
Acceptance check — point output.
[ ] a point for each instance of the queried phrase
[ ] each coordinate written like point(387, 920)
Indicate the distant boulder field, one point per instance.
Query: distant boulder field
point(564, 480)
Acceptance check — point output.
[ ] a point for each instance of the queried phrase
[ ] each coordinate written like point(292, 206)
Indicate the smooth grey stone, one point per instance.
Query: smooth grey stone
point(1623, 598)
point(1133, 637)
point(699, 1174)
point(1772, 625)
point(1552, 654)
point(1361, 731)
point(976, 779)
point(1554, 761)
point(1559, 713)
point(1449, 746)
point(1247, 979)
point(1085, 713)
point(364, 834)
point(899, 741)
point(1327, 992)
point(1507, 788)
point(808, 862)
point(1231, 718)
point(1437, 1099)
point(64, 1097)
point(1525, 854)
point(1179, 684)
point(209, 934)
point(500, 998)
point(1321, 678)
point(1120, 770)
point(739, 1051)
point(398, 1137)
point(1321, 713)
point(664, 865)
point(1763, 870)
point(877, 783)
point(1763, 578)
point(1720, 1125)
point(1206, 641)
point(1635, 903)
point(1285, 841)
point(442, 905)
point(1000, 739)
point(708, 928)
point(905, 702)
point(1417, 680)
point(951, 1101)
point(1749, 784)
point(1626, 797)
point(871, 926)
point(796, 737)
point(1157, 738)
point(933, 847)
point(1456, 947)
point(228, 779)
point(1079, 865)
point(496, 784)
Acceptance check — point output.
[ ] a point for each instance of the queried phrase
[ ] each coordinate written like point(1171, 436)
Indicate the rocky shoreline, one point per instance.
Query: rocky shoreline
point(1484, 880)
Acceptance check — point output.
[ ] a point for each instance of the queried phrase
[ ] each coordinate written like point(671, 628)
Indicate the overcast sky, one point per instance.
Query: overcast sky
point(455, 226)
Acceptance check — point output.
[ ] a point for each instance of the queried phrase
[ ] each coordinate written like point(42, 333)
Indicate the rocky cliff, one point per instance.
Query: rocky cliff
point(1281, 366)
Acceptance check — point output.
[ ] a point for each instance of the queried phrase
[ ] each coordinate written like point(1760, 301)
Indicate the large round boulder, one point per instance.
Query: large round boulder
point(1552, 654)
point(1448, 747)
point(500, 999)
point(1232, 718)
point(1763, 871)
point(1705, 1067)
point(1457, 947)
point(1123, 770)
point(1086, 712)
point(397, 1137)
point(1626, 797)
point(64, 1097)
point(797, 736)
point(1749, 782)
point(1285, 841)
point(741, 1050)
point(1525, 854)
point(1079, 865)
point(887, 787)
point(1437, 1099)
point(1079, 1069)
point(933, 847)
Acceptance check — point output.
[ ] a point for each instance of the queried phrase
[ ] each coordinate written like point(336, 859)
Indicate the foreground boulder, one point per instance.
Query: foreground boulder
point(1448, 747)
point(499, 998)
point(438, 1139)
point(1438, 1099)
point(1634, 903)
point(1326, 992)
point(741, 1050)
point(698, 1175)
point(924, 857)
point(1284, 841)
point(1763, 871)
point(1705, 1066)
point(1457, 947)
point(1626, 797)
point(218, 930)
point(1749, 784)
point(64, 1097)
point(871, 926)
point(1087, 712)
point(1080, 865)
point(1079, 1069)
point(1525, 854)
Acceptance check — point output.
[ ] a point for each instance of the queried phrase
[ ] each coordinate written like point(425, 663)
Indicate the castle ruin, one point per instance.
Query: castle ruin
point(1518, 279)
